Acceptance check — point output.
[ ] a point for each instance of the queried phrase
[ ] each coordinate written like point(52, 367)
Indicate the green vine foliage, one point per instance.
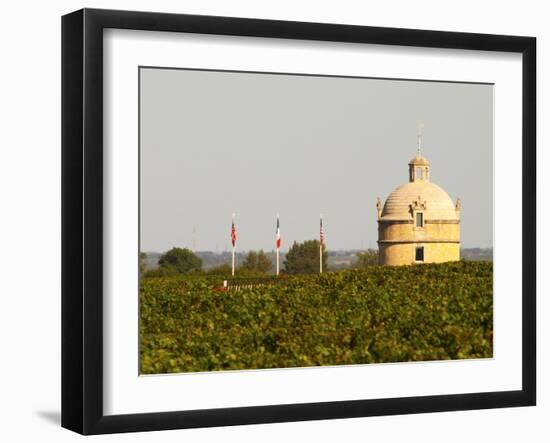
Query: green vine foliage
point(376, 315)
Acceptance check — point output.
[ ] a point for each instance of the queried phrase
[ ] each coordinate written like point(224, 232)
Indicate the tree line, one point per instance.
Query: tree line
point(301, 258)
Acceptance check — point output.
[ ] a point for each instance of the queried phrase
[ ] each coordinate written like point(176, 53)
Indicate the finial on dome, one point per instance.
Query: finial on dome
point(419, 137)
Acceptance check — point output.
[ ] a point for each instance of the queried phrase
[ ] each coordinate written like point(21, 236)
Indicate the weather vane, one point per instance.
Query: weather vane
point(419, 137)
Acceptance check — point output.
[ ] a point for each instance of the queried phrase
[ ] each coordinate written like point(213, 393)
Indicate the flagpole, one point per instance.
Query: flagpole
point(321, 245)
point(278, 245)
point(233, 263)
point(320, 258)
point(233, 242)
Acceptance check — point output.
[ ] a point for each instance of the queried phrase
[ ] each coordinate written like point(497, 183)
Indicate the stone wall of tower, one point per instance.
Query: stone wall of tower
point(398, 241)
point(433, 230)
point(398, 254)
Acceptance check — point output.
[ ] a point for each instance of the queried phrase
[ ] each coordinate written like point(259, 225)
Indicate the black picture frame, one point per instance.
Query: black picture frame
point(82, 218)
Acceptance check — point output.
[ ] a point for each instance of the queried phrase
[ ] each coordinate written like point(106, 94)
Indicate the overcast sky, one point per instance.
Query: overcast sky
point(214, 143)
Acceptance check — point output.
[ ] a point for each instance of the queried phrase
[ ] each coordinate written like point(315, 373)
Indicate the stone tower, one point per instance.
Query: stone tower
point(419, 222)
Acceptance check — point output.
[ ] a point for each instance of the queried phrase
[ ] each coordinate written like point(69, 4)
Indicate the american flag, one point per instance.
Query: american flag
point(321, 232)
point(278, 234)
point(233, 233)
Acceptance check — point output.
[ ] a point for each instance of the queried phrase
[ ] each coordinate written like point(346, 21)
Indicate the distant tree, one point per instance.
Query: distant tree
point(142, 257)
point(250, 261)
point(183, 260)
point(367, 258)
point(303, 258)
point(256, 262)
point(264, 263)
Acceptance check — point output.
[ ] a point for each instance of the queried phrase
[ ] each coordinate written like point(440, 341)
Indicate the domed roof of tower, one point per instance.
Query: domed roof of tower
point(418, 160)
point(437, 203)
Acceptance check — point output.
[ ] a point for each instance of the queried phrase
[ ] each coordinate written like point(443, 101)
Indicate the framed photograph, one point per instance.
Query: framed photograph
point(268, 221)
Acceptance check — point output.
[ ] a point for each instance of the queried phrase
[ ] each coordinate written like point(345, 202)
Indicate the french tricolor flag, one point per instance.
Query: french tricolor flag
point(278, 234)
point(321, 232)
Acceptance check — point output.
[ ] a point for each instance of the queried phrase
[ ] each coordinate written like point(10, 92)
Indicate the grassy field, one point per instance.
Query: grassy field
point(383, 314)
